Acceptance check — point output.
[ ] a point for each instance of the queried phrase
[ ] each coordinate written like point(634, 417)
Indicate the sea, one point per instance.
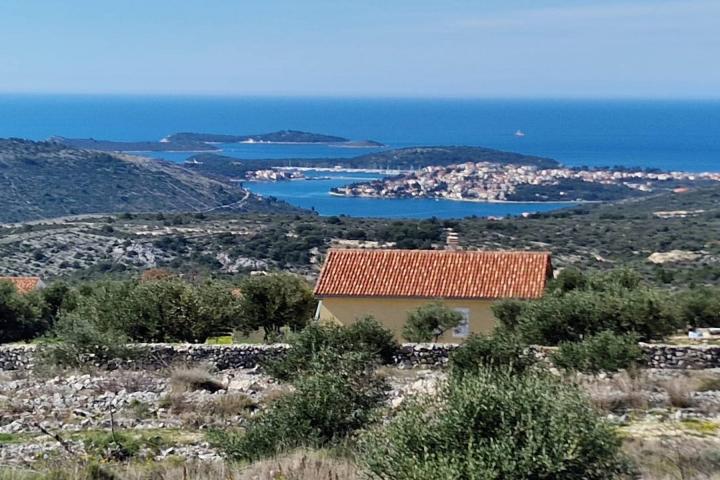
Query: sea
point(675, 135)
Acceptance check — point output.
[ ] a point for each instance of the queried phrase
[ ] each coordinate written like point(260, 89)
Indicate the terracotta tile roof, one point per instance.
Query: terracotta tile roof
point(434, 274)
point(23, 284)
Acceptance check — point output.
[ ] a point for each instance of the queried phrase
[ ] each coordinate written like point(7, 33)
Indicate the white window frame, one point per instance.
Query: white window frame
point(462, 330)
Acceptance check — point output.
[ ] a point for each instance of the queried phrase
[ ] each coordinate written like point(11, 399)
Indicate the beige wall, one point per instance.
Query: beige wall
point(392, 312)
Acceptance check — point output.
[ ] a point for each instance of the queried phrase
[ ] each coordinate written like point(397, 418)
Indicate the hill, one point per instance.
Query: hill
point(139, 146)
point(396, 159)
point(281, 136)
point(47, 179)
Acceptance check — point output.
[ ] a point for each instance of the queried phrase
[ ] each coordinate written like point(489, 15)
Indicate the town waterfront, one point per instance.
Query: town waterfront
point(666, 135)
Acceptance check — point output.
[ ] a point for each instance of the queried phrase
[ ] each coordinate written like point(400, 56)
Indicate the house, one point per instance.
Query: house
point(25, 284)
point(388, 284)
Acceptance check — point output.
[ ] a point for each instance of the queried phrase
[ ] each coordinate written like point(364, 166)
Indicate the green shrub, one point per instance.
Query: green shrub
point(368, 335)
point(604, 352)
point(328, 405)
point(508, 312)
point(20, 315)
point(500, 350)
point(365, 336)
point(78, 342)
point(428, 322)
point(494, 425)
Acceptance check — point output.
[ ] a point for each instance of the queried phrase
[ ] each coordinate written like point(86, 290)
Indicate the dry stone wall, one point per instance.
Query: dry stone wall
point(153, 356)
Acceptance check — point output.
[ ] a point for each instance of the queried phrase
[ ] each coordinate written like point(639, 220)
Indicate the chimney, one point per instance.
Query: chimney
point(452, 241)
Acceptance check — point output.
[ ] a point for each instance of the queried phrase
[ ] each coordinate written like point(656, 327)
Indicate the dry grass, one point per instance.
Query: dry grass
point(229, 405)
point(621, 392)
point(679, 391)
point(708, 384)
point(302, 465)
point(196, 378)
point(675, 457)
point(176, 403)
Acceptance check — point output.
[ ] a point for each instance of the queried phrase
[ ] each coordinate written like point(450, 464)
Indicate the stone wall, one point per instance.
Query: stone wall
point(152, 356)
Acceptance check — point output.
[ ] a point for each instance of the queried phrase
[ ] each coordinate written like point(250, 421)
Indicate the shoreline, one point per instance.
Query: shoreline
point(469, 200)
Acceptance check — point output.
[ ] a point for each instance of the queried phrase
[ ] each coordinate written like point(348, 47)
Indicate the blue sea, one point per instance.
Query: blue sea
point(669, 135)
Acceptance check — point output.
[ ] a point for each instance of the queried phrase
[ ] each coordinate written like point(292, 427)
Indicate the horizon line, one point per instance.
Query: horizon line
point(300, 96)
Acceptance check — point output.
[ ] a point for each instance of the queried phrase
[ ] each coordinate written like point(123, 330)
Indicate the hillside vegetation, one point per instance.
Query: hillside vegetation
point(44, 179)
point(396, 159)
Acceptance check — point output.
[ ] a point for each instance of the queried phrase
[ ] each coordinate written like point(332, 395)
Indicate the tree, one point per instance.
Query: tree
point(20, 315)
point(57, 297)
point(429, 322)
point(700, 307)
point(272, 302)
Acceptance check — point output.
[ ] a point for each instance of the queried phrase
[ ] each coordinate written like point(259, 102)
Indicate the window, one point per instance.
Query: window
point(462, 330)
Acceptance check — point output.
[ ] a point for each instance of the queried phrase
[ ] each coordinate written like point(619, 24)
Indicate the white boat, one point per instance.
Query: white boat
point(519, 133)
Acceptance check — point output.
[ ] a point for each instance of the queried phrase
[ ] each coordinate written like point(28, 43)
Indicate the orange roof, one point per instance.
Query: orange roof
point(434, 274)
point(23, 284)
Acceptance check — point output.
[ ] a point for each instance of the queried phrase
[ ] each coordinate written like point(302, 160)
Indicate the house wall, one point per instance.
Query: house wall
point(392, 312)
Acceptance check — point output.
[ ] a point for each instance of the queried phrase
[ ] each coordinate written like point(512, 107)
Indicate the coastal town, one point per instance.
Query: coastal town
point(274, 175)
point(484, 181)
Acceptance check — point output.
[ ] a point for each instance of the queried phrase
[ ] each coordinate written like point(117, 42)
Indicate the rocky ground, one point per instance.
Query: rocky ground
point(56, 416)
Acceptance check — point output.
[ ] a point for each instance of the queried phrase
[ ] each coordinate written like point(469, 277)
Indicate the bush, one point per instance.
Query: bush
point(79, 343)
point(366, 336)
point(495, 425)
point(500, 350)
point(327, 406)
point(508, 312)
point(604, 352)
point(428, 322)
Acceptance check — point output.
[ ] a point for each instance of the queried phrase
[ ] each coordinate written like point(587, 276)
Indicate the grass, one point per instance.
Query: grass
point(619, 393)
point(6, 438)
point(701, 426)
point(679, 391)
point(300, 465)
point(221, 340)
point(229, 405)
point(674, 457)
point(708, 384)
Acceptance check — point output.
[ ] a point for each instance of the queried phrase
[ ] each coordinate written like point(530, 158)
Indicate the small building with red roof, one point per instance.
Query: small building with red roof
point(388, 284)
point(24, 284)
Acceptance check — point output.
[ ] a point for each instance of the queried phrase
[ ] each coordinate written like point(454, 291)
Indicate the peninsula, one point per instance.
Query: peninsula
point(495, 182)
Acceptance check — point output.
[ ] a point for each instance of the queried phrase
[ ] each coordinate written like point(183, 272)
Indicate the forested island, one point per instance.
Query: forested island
point(197, 142)
point(281, 136)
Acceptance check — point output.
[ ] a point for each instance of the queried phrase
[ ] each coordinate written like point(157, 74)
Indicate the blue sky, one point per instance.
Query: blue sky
point(478, 48)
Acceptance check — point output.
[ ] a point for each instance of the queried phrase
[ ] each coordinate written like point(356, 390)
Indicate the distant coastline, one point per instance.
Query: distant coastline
point(472, 200)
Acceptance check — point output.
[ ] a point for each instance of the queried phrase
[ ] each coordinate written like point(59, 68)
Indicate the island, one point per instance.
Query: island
point(281, 136)
point(138, 146)
point(201, 142)
point(497, 182)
